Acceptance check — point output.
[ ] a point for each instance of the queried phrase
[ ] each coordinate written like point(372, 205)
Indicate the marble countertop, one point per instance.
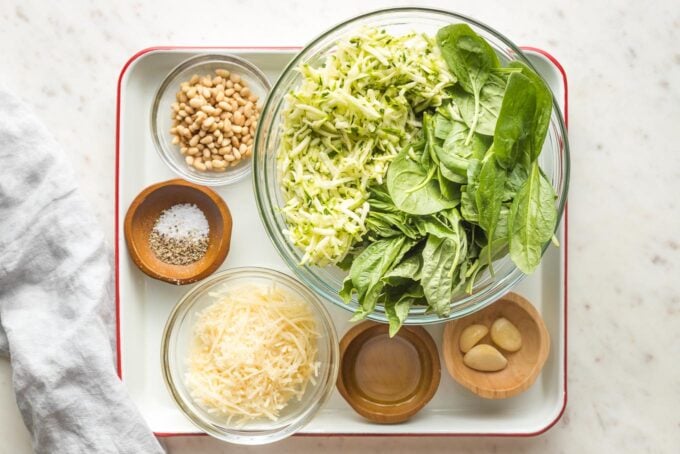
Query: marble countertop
point(623, 64)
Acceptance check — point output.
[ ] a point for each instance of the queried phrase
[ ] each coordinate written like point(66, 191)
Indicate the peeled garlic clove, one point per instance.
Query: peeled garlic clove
point(470, 336)
point(485, 358)
point(506, 335)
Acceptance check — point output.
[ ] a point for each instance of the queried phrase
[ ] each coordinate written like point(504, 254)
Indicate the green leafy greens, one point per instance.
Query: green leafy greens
point(463, 189)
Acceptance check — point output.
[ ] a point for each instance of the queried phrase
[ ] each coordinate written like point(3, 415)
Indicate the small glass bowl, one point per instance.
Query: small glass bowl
point(161, 118)
point(176, 343)
point(327, 281)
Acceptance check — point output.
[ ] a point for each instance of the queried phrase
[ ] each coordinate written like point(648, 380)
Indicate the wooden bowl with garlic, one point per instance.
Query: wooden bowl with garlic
point(499, 351)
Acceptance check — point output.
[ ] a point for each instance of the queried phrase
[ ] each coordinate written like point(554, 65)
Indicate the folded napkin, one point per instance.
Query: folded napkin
point(56, 301)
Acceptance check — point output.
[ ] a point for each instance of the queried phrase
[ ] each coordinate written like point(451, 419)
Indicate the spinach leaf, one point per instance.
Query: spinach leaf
point(544, 106)
point(489, 196)
point(498, 246)
point(467, 197)
point(490, 100)
point(447, 174)
point(404, 184)
point(470, 58)
point(514, 182)
point(429, 156)
point(455, 143)
point(513, 132)
point(442, 126)
point(532, 220)
point(454, 154)
point(468, 205)
point(449, 183)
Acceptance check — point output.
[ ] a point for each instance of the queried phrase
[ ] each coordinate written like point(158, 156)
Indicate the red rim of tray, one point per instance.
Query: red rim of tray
point(119, 368)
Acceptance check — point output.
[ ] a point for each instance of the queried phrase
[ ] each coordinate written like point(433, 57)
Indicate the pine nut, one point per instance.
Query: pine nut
point(196, 102)
point(214, 119)
point(208, 123)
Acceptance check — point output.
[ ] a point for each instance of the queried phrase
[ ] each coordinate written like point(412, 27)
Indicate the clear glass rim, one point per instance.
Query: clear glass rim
point(321, 393)
point(417, 316)
point(219, 179)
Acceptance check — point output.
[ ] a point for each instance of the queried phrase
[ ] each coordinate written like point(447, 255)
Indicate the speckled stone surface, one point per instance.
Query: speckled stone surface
point(623, 62)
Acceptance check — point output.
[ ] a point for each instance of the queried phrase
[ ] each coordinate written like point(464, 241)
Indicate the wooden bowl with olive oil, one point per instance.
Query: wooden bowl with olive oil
point(145, 211)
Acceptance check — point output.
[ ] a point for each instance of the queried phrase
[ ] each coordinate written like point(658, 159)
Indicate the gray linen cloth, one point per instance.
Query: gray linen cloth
point(56, 301)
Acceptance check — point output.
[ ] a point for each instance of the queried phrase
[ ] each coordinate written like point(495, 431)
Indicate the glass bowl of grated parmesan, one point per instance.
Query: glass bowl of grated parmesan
point(250, 355)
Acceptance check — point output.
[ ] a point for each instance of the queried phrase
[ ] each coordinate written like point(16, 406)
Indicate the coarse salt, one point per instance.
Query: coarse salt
point(184, 220)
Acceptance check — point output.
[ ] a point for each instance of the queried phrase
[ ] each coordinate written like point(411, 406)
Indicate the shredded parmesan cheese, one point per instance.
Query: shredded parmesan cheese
point(252, 351)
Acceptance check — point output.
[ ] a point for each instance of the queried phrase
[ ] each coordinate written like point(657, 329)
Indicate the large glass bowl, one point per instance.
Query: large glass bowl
point(326, 281)
point(176, 344)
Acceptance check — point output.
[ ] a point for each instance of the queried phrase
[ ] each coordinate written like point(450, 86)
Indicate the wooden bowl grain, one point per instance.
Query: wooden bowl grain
point(148, 206)
point(523, 367)
point(388, 380)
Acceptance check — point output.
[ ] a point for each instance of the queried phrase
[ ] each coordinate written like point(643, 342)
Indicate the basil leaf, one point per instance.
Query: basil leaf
point(369, 267)
point(407, 270)
point(437, 279)
point(532, 220)
point(398, 306)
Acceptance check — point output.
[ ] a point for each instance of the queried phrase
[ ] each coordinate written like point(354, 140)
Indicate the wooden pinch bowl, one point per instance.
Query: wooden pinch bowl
point(148, 206)
point(523, 366)
point(388, 380)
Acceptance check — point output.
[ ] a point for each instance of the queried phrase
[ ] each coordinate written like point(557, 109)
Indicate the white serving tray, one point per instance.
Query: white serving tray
point(143, 304)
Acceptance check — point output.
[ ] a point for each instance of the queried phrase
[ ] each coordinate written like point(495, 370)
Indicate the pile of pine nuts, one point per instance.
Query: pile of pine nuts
point(214, 121)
